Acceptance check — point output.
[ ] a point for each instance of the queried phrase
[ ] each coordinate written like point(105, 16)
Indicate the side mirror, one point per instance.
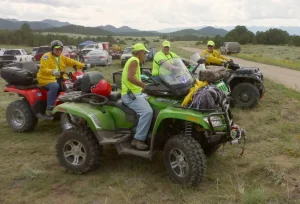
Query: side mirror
point(201, 61)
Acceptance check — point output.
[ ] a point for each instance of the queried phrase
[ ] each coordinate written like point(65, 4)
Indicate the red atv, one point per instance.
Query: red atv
point(22, 115)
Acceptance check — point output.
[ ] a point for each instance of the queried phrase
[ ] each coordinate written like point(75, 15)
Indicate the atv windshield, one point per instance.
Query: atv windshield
point(193, 61)
point(174, 72)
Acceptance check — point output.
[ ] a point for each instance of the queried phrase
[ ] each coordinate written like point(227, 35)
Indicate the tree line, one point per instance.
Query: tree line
point(272, 36)
point(25, 36)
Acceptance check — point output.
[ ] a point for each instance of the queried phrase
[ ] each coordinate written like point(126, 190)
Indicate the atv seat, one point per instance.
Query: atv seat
point(130, 114)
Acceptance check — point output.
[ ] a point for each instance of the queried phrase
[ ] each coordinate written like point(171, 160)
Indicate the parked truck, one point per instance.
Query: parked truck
point(230, 47)
point(14, 55)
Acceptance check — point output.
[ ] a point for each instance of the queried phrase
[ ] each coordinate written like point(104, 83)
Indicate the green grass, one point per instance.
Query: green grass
point(282, 56)
point(268, 171)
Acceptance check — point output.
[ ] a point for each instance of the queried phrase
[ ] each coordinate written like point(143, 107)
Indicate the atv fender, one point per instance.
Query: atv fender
point(31, 95)
point(96, 117)
point(181, 114)
point(244, 77)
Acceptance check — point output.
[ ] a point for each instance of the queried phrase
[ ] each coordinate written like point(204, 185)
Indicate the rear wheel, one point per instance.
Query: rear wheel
point(78, 151)
point(245, 95)
point(184, 160)
point(20, 117)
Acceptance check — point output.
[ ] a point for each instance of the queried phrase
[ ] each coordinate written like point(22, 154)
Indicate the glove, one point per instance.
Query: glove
point(55, 73)
point(87, 66)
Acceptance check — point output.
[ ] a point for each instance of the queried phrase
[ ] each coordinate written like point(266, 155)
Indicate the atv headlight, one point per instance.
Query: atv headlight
point(216, 121)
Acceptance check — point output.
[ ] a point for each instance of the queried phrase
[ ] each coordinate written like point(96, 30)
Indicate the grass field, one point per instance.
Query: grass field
point(268, 172)
point(282, 56)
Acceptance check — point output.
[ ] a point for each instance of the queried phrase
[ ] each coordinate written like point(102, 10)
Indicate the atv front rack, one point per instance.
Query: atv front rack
point(78, 96)
point(225, 113)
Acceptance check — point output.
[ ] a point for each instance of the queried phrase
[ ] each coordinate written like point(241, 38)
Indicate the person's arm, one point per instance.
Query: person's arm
point(131, 75)
point(221, 56)
point(71, 63)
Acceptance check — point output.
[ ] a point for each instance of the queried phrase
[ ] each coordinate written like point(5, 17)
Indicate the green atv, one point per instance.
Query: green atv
point(245, 84)
point(185, 135)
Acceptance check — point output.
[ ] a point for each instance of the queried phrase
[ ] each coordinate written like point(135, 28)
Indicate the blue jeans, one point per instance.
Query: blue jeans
point(53, 89)
point(141, 106)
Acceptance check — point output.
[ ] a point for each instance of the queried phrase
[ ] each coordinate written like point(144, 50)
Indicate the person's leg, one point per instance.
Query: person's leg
point(53, 89)
point(141, 106)
point(60, 81)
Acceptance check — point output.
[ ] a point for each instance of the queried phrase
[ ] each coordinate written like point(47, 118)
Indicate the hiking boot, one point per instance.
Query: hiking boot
point(139, 144)
point(49, 113)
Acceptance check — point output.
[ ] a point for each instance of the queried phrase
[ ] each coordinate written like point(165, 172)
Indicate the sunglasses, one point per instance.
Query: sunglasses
point(209, 46)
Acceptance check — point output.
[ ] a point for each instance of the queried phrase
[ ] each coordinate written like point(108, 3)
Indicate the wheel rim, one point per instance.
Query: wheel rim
point(74, 152)
point(244, 97)
point(18, 118)
point(178, 162)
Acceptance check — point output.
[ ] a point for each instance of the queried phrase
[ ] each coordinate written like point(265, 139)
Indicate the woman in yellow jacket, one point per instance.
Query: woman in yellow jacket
point(49, 74)
point(212, 56)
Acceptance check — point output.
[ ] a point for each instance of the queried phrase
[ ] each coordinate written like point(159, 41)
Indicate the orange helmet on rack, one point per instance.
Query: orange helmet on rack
point(103, 88)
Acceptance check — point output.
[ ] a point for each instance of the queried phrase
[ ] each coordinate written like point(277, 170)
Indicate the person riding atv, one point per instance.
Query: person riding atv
point(132, 96)
point(212, 56)
point(163, 55)
point(52, 72)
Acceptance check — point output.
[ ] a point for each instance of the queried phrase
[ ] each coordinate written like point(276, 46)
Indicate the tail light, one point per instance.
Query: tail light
point(85, 57)
point(101, 57)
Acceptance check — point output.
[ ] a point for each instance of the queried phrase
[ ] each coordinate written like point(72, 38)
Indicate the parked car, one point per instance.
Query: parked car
point(151, 54)
point(2, 51)
point(98, 57)
point(40, 52)
point(126, 55)
point(230, 47)
point(73, 48)
point(34, 49)
point(69, 53)
point(94, 46)
point(19, 55)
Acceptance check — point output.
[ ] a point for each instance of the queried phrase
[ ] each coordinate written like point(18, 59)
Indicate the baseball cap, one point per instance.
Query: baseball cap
point(138, 47)
point(211, 43)
point(166, 44)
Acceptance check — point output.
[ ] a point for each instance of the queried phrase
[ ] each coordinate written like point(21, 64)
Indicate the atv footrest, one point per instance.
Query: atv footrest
point(115, 139)
point(125, 148)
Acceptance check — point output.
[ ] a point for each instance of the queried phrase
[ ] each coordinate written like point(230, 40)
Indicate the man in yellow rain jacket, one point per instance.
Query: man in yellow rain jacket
point(52, 64)
point(212, 56)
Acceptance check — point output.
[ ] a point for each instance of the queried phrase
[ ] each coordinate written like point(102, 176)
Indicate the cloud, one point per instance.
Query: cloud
point(157, 14)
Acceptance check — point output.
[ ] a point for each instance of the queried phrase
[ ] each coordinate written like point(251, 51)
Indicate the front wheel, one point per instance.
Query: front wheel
point(245, 95)
point(184, 160)
point(20, 117)
point(78, 151)
point(67, 121)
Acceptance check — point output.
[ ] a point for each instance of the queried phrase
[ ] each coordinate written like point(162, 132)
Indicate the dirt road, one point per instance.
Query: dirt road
point(288, 77)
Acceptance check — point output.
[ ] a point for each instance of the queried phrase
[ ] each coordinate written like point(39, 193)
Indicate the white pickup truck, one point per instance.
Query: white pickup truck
point(14, 55)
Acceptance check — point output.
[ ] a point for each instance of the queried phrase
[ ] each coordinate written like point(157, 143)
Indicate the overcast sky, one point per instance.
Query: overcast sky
point(157, 14)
